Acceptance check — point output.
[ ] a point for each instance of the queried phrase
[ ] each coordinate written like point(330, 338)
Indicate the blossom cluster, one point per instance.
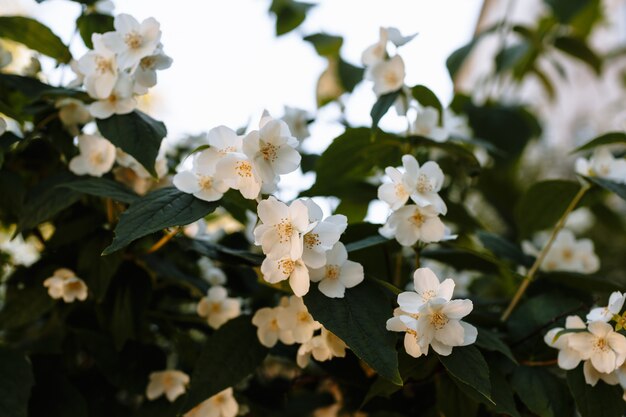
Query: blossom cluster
point(596, 343)
point(429, 317)
point(290, 322)
point(604, 165)
point(566, 253)
point(419, 221)
point(64, 284)
point(122, 65)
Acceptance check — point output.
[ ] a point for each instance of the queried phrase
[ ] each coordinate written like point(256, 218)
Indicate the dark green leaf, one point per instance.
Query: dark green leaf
point(585, 282)
point(543, 204)
point(503, 249)
point(577, 48)
point(452, 401)
point(229, 355)
point(325, 44)
point(15, 384)
point(368, 242)
point(137, 134)
point(454, 149)
point(102, 187)
point(457, 58)
point(289, 14)
point(158, 210)
point(358, 319)
point(427, 98)
point(26, 299)
point(612, 186)
point(566, 10)
point(468, 365)
point(34, 35)
point(349, 75)
point(600, 401)
point(605, 139)
point(543, 393)
point(222, 253)
point(501, 392)
point(97, 270)
point(381, 106)
point(489, 340)
point(91, 23)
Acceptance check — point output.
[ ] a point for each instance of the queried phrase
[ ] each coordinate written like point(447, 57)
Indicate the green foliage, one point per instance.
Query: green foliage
point(612, 186)
point(34, 35)
point(600, 401)
point(605, 139)
point(16, 383)
point(468, 366)
point(427, 98)
point(289, 14)
point(91, 23)
point(542, 392)
point(381, 106)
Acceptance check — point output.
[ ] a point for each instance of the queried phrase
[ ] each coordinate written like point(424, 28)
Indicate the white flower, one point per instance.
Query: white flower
point(605, 314)
point(3, 126)
point(272, 150)
point(104, 6)
point(202, 180)
point(338, 274)
point(592, 376)
point(407, 324)
point(145, 74)
point(456, 124)
point(397, 38)
point(396, 193)
point(297, 121)
point(72, 112)
point(128, 161)
point(5, 57)
point(20, 251)
point(172, 383)
point(567, 253)
point(412, 223)
point(80, 77)
point(224, 140)
point(119, 101)
point(238, 172)
point(568, 358)
point(99, 68)
point(427, 125)
point(268, 326)
point(377, 52)
point(66, 285)
point(218, 308)
point(132, 40)
point(277, 270)
point(295, 318)
point(605, 348)
point(222, 404)
point(281, 228)
point(322, 347)
point(426, 287)
point(604, 165)
point(388, 76)
point(210, 273)
point(439, 325)
point(322, 237)
point(97, 156)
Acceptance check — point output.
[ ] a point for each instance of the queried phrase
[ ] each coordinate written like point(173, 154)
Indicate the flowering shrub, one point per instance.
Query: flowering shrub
point(145, 280)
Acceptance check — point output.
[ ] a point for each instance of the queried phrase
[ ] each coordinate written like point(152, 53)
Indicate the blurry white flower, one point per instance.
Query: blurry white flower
point(604, 165)
point(22, 252)
point(323, 236)
point(395, 37)
point(297, 121)
point(96, 158)
point(211, 273)
point(66, 285)
point(238, 172)
point(568, 358)
point(323, 347)
point(426, 124)
point(99, 69)
point(72, 113)
point(172, 383)
point(580, 220)
point(605, 314)
point(128, 161)
point(277, 270)
point(119, 101)
point(251, 221)
point(5, 57)
point(104, 6)
point(218, 308)
point(295, 318)
point(202, 180)
point(3, 126)
point(456, 124)
point(605, 348)
point(80, 77)
point(377, 52)
point(566, 253)
point(132, 40)
point(281, 228)
point(268, 329)
point(145, 74)
point(388, 76)
point(412, 223)
point(338, 274)
point(222, 404)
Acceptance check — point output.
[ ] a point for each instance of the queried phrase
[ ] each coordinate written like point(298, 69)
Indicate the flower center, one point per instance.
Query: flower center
point(423, 184)
point(427, 295)
point(244, 169)
point(438, 320)
point(311, 240)
point(417, 218)
point(332, 271)
point(286, 266)
point(285, 230)
point(148, 62)
point(215, 307)
point(269, 152)
point(205, 182)
point(391, 77)
point(96, 159)
point(568, 254)
point(401, 191)
point(104, 65)
point(133, 40)
point(601, 344)
point(303, 316)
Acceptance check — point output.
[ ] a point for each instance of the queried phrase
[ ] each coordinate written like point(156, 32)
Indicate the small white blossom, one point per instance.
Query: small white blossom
point(297, 121)
point(322, 347)
point(211, 273)
point(99, 69)
point(426, 124)
point(145, 74)
point(119, 101)
point(171, 383)
point(286, 268)
point(269, 330)
point(604, 165)
point(72, 113)
point(456, 124)
point(66, 285)
point(96, 158)
point(132, 40)
point(440, 325)
point(388, 76)
point(202, 180)
point(568, 357)
point(412, 223)
point(377, 52)
point(5, 57)
point(319, 240)
point(295, 319)
point(238, 172)
point(426, 286)
point(3, 126)
point(338, 274)
point(128, 161)
point(605, 348)
point(605, 314)
point(592, 375)
point(218, 308)
point(566, 253)
point(222, 404)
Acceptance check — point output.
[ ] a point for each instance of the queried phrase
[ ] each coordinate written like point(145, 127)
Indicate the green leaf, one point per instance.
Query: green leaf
point(289, 14)
point(543, 393)
point(427, 98)
point(605, 139)
point(612, 186)
point(566, 10)
point(600, 401)
point(457, 58)
point(452, 401)
point(381, 106)
point(543, 204)
point(503, 249)
point(102, 187)
point(468, 365)
point(34, 35)
point(91, 23)
point(137, 134)
point(96, 270)
point(359, 319)
point(15, 384)
point(229, 355)
point(489, 340)
point(325, 44)
point(577, 48)
point(349, 75)
point(454, 149)
point(585, 282)
point(501, 392)
point(158, 210)
point(368, 242)
point(26, 298)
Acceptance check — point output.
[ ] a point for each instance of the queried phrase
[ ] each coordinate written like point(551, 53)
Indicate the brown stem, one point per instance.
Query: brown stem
point(163, 241)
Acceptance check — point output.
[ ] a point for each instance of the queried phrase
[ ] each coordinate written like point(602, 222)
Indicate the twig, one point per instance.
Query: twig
point(163, 241)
